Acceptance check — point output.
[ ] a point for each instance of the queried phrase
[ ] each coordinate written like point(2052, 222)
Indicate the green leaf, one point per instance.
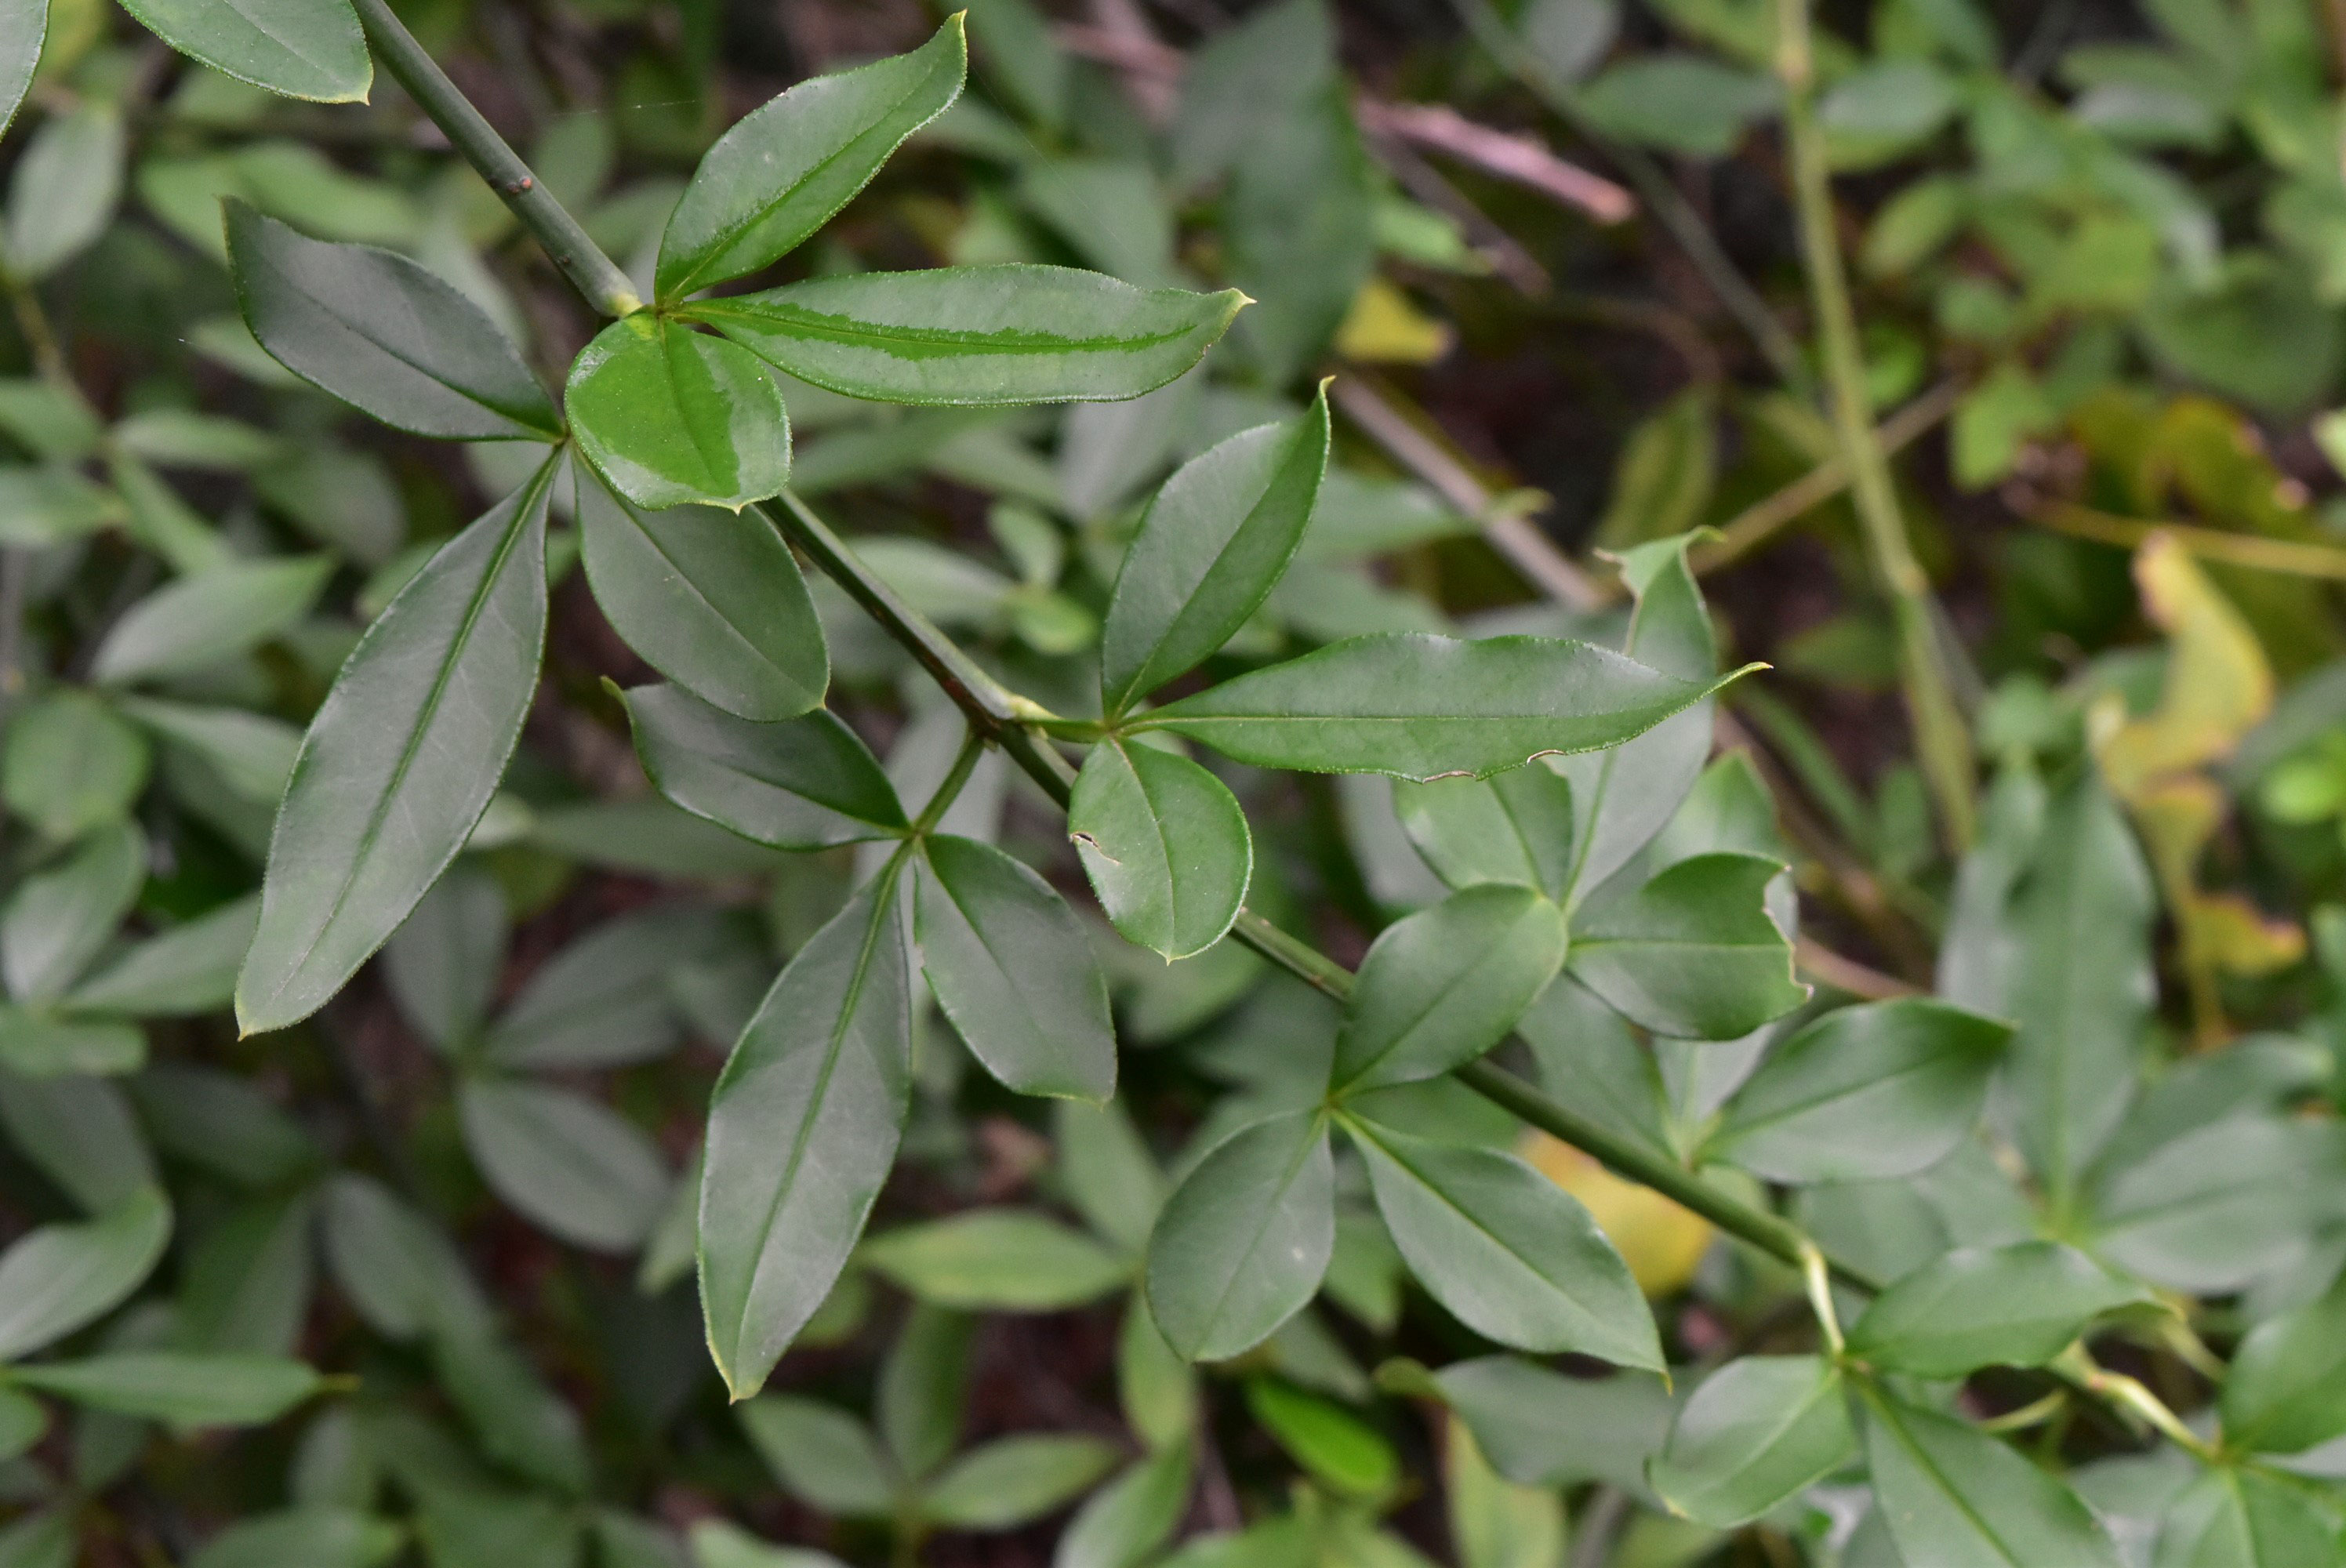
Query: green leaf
point(1157, 1389)
point(604, 1001)
point(2238, 1518)
point(202, 620)
point(398, 1271)
point(1884, 1089)
point(806, 783)
point(1211, 547)
point(444, 963)
point(519, 1422)
point(252, 753)
point(668, 415)
point(986, 336)
point(401, 760)
point(1330, 1441)
point(1014, 1481)
point(1165, 844)
point(803, 1133)
point(56, 920)
point(81, 1133)
point(2015, 1305)
point(1445, 985)
point(924, 1386)
point(1108, 1174)
point(40, 1047)
point(1691, 954)
point(72, 765)
point(996, 1261)
point(1679, 102)
point(1299, 221)
point(314, 1536)
point(1495, 1522)
point(58, 1278)
point(786, 169)
point(2213, 1209)
point(1011, 968)
point(63, 190)
point(1512, 1255)
point(2287, 1388)
point(1243, 1241)
point(184, 1387)
point(567, 1162)
point(1513, 827)
point(382, 333)
point(1123, 1523)
point(1422, 707)
point(1758, 1430)
point(719, 1543)
point(1540, 1428)
point(23, 27)
point(301, 48)
point(23, 1423)
point(711, 599)
point(1953, 1494)
point(822, 1454)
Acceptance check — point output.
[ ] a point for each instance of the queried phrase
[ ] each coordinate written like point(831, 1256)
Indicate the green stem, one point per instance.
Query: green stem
point(1940, 736)
point(941, 799)
point(597, 277)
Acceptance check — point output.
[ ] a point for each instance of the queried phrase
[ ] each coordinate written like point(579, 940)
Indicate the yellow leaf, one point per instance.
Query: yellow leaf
point(1384, 327)
point(2218, 683)
point(2241, 939)
point(1659, 1241)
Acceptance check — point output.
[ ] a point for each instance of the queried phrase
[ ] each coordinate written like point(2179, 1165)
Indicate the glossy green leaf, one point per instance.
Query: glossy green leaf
point(1243, 1241)
point(1445, 985)
point(185, 1388)
point(62, 192)
point(1515, 826)
point(2240, 1518)
point(401, 760)
point(806, 783)
point(1692, 954)
point(199, 621)
point(1211, 547)
point(1512, 1255)
point(2287, 1388)
point(668, 415)
point(1884, 1089)
point(301, 48)
point(1015, 1480)
point(314, 1536)
point(996, 1261)
point(381, 332)
point(567, 1162)
point(1165, 844)
point(71, 764)
point(986, 336)
point(58, 1278)
point(802, 1132)
point(822, 1454)
point(1123, 1523)
point(1758, 1430)
point(1332, 1444)
point(711, 599)
point(2015, 1305)
point(1011, 968)
point(1422, 707)
point(24, 26)
point(783, 171)
point(58, 919)
point(1953, 1494)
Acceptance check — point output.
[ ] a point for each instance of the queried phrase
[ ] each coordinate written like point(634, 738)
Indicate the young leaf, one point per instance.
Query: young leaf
point(1165, 844)
point(1011, 968)
point(1953, 1494)
point(786, 169)
point(668, 415)
point(56, 920)
point(71, 765)
point(1507, 1250)
point(711, 599)
point(2242, 1518)
point(996, 1261)
point(1692, 954)
point(401, 760)
point(2015, 1305)
point(185, 1389)
point(301, 48)
point(1014, 1481)
point(1757, 1431)
point(1513, 827)
point(988, 336)
point(1445, 985)
point(1340, 1451)
point(1211, 547)
point(803, 1131)
point(806, 783)
point(204, 620)
point(1423, 706)
point(1885, 1089)
point(58, 1278)
point(1242, 1243)
point(382, 333)
point(567, 1162)
point(2287, 1390)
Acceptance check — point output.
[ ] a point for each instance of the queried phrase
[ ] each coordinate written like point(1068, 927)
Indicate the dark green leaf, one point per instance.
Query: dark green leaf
point(315, 1537)
point(668, 415)
point(444, 963)
point(71, 765)
point(81, 1133)
point(302, 48)
point(923, 1384)
point(1953, 1494)
point(997, 1260)
point(2232, 1518)
point(1011, 968)
point(783, 171)
point(1242, 1242)
point(58, 919)
point(1330, 1441)
point(802, 1132)
point(60, 1277)
point(604, 1001)
point(1016, 1479)
point(1211, 547)
point(2015, 1306)
point(1885, 1089)
point(806, 783)
point(1757, 1432)
point(1513, 827)
point(711, 599)
point(2287, 1390)
point(1423, 706)
point(401, 760)
point(1540, 1427)
point(1300, 222)
point(1692, 954)
point(1445, 985)
point(1512, 1255)
point(1165, 844)
point(381, 332)
point(976, 335)
point(201, 620)
point(569, 1163)
point(183, 1387)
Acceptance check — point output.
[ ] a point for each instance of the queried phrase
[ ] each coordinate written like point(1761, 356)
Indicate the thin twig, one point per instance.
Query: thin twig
point(1846, 974)
point(1511, 156)
point(2290, 557)
point(1507, 256)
